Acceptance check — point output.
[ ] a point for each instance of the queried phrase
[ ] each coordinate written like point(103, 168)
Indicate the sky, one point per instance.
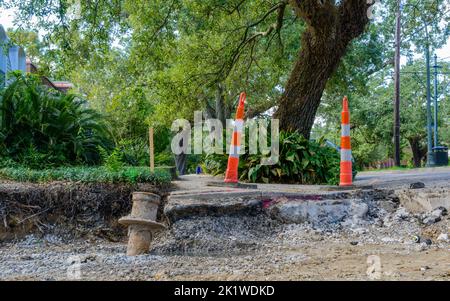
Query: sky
point(7, 16)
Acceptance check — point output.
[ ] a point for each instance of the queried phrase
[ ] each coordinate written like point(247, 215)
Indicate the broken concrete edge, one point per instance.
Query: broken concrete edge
point(240, 202)
point(232, 185)
point(347, 188)
point(244, 202)
point(208, 194)
point(219, 194)
point(320, 212)
point(424, 200)
point(255, 186)
point(177, 212)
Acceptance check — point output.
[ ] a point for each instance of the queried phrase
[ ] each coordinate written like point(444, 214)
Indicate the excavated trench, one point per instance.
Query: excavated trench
point(223, 225)
point(258, 235)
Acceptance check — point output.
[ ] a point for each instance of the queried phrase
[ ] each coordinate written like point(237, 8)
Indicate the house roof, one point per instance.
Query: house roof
point(29, 67)
point(62, 86)
point(3, 35)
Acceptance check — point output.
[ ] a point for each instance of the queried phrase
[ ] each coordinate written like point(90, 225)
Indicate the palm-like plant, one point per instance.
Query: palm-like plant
point(57, 128)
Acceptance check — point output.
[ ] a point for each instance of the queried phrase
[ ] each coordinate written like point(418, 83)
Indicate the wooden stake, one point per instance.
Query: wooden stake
point(152, 150)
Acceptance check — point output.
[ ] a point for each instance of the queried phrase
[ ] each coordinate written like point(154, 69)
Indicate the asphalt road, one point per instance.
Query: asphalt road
point(439, 176)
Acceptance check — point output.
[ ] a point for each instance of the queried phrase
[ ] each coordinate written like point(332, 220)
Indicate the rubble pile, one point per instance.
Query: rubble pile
point(284, 237)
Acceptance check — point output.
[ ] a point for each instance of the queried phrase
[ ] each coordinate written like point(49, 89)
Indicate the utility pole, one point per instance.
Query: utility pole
point(397, 158)
point(436, 106)
point(430, 154)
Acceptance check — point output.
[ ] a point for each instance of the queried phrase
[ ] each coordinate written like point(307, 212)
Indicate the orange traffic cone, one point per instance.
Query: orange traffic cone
point(231, 175)
point(346, 148)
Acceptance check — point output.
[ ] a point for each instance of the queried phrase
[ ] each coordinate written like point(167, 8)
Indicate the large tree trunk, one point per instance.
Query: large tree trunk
point(220, 109)
point(330, 29)
point(418, 150)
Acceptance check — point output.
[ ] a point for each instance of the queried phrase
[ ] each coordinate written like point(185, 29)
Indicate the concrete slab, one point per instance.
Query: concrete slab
point(424, 200)
point(232, 185)
point(220, 201)
point(193, 196)
point(318, 195)
point(215, 194)
point(202, 183)
point(319, 212)
point(213, 205)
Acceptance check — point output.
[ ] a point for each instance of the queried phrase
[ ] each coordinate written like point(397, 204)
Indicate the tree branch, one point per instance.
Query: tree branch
point(280, 7)
point(353, 18)
point(163, 24)
point(236, 8)
point(319, 14)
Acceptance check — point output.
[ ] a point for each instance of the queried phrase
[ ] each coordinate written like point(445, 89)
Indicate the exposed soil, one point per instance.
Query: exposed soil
point(66, 209)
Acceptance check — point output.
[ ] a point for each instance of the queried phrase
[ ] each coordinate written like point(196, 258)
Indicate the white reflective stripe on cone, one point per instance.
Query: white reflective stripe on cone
point(345, 130)
point(239, 125)
point(234, 151)
point(346, 155)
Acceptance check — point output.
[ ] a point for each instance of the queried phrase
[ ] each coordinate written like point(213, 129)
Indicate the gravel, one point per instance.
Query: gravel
point(246, 248)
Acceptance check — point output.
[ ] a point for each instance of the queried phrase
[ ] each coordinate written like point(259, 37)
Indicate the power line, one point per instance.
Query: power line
point(410, 72)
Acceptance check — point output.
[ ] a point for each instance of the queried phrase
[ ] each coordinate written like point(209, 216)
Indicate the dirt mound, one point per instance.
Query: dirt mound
point(69, 209)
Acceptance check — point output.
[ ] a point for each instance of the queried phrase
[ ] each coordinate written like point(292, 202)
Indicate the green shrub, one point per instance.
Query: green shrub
point(301, 161)
point(102, 174)
point(112, 161)
point(165, 159)
point(7, 162)
point(40, 127)
point(134, 152)
point(193, 161)
point(215, 164)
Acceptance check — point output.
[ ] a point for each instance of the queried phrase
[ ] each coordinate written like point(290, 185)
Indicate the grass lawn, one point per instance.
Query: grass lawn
point(391, 168)
point(398, 168)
